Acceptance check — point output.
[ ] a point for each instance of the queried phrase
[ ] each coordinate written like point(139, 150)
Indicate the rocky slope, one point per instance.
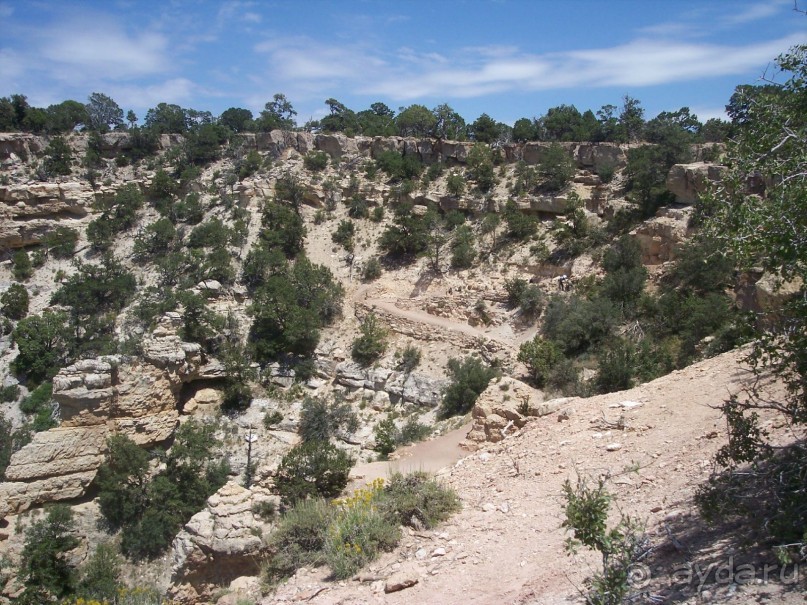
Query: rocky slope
point(524, 443)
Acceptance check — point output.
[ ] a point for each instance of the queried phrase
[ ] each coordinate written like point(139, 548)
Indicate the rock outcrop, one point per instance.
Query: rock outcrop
point(689, 181)
point(220, 543)
point(660, 237)
point(412, 387)
point(98, 398)
point(504, 407)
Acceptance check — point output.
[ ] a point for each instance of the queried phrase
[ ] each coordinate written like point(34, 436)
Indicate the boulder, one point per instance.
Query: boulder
point(660, 237)
point(58, 464)
point(506, 405)
point(688, 181)
point(219, 544)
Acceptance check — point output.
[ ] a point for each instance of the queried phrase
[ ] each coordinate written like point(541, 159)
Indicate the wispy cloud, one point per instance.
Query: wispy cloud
point(753, 12)
point(478, 71)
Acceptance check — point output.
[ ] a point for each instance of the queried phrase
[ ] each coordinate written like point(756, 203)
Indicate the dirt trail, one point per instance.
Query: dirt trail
point(430, 456)
point(416, 315)
point(656, 442)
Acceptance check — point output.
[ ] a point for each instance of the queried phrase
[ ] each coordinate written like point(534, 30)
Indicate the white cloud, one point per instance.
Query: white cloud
point(103, 50)
point(753, 12)
point(175, 90)
point(302, 66)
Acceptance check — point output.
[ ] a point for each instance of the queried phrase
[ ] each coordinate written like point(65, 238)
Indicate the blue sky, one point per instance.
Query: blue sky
point(508, 58)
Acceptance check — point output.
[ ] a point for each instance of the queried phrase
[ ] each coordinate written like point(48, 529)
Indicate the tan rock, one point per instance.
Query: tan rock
point(689, 181)
point(506, 405)
point(219, 544)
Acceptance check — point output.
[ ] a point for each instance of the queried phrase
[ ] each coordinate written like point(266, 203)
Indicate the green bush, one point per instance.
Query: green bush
point(371, 344)
point(577, 324)
point(540, 356)
point(21, 266)
point(408, 358)
point(58, 157)
point(101, 574)
point(311, 469)
point(357, 208)
point(455, 183)
point(61, 242)
point(417, 500)
point(378, 214)
point(359, 532)
point(9, 393)
point(385, 437)
point(463, 251)
point(299, 539)
point(44, 342)
point(211, 234)
point(372, 270)
point(526, 296)
point(344, 234)
point(315, 161)
point(556, 167)
point(44, 569)
point(320, 420)
point(408, 234)
point(155, 240)
point(616, 367)
point(39, 404)
point(190, 210)
point(520, 226)
point(15, 301)
point(469, 377)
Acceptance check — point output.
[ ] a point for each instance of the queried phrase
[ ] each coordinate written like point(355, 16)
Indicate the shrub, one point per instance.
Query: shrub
point(540, 356)
point(58, 157)
point(155, 239)
point(371, 344)
point(385, 437)
point(299, 539)
point(39, 404)
point(357, 208)
point(101, 574)
point(315, 161)
point(412, 431)
point(282, 228)
point(469, 377)
point(576, 324)
point(344, 234)
point(190, 210)
point(455, 183)
point(21, 266)
point(407, 234)
point(520, 226)
point(408, 358)
point(9, 393)
point(15, 301)
point(43, 567)
point(377, 214)
point(44, 343)
point(616, 367)
point(211, 234)
point(311, 469)
point(61, 242)
point(463, 251)
point(417, 500)
point(524, 295)
point(556, 167)
point(359, 532)
point(320, 420)
point(372, 270)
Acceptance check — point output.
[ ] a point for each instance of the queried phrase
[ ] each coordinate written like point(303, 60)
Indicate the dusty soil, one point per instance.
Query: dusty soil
point(655, 442)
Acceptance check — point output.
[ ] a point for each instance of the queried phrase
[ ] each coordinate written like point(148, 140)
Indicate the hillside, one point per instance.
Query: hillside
point(231, 292)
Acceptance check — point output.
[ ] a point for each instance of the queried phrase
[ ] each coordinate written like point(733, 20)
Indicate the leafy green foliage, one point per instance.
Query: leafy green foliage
point(312, 469)
point(372, 270)
point(463, 251)
point(21, 266)
point(556, 168)
point(39, 405)
point(407, 359)
point(117, 215)
point(480, 167)
point(397, 166)
point(44, 342)
point(299, 539)
point(155, 240)
point(15, 301)
point(315, 161)
point(344, 234)
point(469, 377)
point(43, 568)
point(291, 307)
point(525, 296)
point(151, 511)
point(540, 356)
point(577, 324)
point(520, 226)
point(371, 343)
point(101, 574)
point(625, 276)
point(586, 511)
point(58, 157)
point(408, 234)
point(61, 242)
point(282, 228)
point(616, 366)
point(418, 500)
point(320, 419)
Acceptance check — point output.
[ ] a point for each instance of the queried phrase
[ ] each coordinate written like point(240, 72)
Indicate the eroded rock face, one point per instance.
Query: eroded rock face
point(689, 181)
point(58, 464)
point(29, 212)
point(97, 398)
point(660, 237)
point(504, 407)
point(220, 543)
point(413, 387)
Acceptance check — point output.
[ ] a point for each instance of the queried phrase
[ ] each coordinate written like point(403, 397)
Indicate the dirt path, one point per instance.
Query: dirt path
point(507, 544)
point(429, 456)
point(418, 316)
